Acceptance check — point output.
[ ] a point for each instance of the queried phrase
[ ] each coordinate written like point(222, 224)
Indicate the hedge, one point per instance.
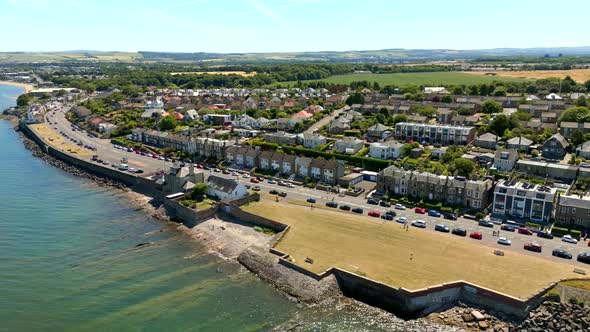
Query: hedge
point(560, 231)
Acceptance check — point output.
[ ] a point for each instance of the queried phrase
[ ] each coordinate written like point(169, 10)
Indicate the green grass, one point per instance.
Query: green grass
point(430, 78)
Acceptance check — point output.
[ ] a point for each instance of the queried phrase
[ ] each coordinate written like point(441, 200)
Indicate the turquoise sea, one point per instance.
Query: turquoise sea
point(68, 262)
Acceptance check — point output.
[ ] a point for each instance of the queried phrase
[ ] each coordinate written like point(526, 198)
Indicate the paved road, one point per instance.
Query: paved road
point(106, 151)
point(326, 120)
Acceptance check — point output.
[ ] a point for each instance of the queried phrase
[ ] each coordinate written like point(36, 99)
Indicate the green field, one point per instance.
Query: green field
point(400, 79)
point(17, 57)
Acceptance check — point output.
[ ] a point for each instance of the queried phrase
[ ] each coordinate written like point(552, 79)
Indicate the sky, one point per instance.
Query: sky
point(288, 25)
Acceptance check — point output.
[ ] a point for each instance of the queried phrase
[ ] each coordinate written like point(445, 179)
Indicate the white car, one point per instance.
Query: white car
point(504, 241)
point(246, 176)
point(569, 239)
point(399, 207)
point(289, 185)
point(401, 220)
point(419, 223)
point(234, 173)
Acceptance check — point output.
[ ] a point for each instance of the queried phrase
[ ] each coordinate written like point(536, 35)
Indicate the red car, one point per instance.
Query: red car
point(155, 156)
point(420, 210)
point(137, 152)
point(375, 214)
point(588, 243)
point(533, 247)
point(525, 231)
point(199, 165)
point(476, 235)
point(254, 180)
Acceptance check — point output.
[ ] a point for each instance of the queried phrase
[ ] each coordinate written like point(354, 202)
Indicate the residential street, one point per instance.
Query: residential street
point(326, 120)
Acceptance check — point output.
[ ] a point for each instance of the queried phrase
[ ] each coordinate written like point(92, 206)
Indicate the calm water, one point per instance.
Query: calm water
point(68, 262)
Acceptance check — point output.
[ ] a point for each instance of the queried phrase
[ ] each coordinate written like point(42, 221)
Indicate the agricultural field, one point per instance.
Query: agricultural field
point(241, 73)
point(578, 75)
point(400, 79)
point(18, 57)
point(382, 250)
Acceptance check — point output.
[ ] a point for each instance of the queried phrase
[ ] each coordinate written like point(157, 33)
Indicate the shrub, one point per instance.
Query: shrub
point(446, 209)
point(480, 215)
point(532, 225)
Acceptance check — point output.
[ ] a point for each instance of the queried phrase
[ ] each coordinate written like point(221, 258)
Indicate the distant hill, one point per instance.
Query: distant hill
point(392, 56)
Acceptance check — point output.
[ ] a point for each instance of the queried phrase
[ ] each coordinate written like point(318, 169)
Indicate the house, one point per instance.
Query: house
point(281, 138)
point(251, 157)
point(434, 134)
point(436, 90)
point(452, 190)
point(505, 159)
point(573, 210)
point(553, 96)
point(223, 188)
point(80, 111)
point(377, 130)
point(192, 115)
point(181, 179)
point(338, 126)
point(523, 200)
point(583, 150)
point(519, 143)
point(444, 115)
point(265, 159)
point(288, 164)
point(106, 128)
point(567, 128)
point(303, 166)
point(245, 121)
point(348, 145)
point(153, 113)
point(328, 171)
point(549, 117)
point(302, 115)
point(487, 141)
point(95, 121)
point(385, 150)
point(313, 141)
point(554, 147)
point(217, 119)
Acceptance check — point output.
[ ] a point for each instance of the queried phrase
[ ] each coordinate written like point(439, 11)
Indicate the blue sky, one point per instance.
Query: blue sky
point(288, 25)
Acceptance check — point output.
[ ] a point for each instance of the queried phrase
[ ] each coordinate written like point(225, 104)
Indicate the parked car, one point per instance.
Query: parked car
point(357, 210)
point(401, 220)
point(525, 231)
point(345, 207)
point(584, 257)
point(248, 186)
point(533, 247)
point(216, 170)
point(272, 182)
point(375, 214)
point(545, 235)
point(283, 194)
point(254, 180)
point(459, 232)
point(476, 235)
point(384, 204)
point(485, 223)
point(449, 216)
point(372, 201)
point(496, 221)
point(504, 241)
point(507, 228)
point(311, 200)
point(419, 223)
point(442, 228)
point(391, 213)
point(569, 239)
point(289, 185)
point(433, 213)
point(561, 254)
point(256, 188)
point(139, 171)
point(387, 216)
point(399, 207)
point(332, 204)
point(245, 176)
point(420, 210)
point(274, 192)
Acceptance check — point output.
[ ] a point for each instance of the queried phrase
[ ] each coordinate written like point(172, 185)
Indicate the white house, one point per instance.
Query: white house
point(348, 145)
point(192, 115)
point(225, 188)
point(553, 96)
point(245, 121)
point(385, 150)
point(505, 159)
point(435, 89)
point(312, 141)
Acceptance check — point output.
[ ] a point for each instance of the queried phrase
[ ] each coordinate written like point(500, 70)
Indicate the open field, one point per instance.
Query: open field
point(13, 57)
point(578, 75)
point(241, 73)
point(430, 79)
point(381, 251)
point(58, 141)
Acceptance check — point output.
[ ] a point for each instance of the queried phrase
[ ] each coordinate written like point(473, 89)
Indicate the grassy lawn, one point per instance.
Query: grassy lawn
point(381, 251)
point(581, 284)
point(431, 79)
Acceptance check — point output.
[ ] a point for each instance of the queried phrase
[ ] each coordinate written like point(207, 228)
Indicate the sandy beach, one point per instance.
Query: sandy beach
point(28, 87)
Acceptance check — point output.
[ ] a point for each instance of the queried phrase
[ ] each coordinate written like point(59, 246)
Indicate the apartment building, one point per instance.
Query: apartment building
point(434, 133)
point(573, 210)
point(524, 201)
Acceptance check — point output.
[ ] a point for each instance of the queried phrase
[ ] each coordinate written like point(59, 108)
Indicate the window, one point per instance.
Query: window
point(573, 210)
point(520, 193)
point(540, 196)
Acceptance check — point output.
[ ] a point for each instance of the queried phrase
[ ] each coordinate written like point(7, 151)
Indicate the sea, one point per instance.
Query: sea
point(69, 262)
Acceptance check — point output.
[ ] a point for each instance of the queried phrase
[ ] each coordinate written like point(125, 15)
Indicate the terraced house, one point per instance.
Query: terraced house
point(449, 189)
point(524, 201)
point(434, 133)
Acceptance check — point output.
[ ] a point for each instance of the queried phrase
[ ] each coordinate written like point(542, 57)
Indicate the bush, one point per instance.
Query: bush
point(561, 231)
point(446, 209)
point(479, 215)
point(532, 225)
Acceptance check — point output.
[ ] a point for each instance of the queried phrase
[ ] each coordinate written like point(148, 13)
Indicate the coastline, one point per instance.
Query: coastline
point(27, 87)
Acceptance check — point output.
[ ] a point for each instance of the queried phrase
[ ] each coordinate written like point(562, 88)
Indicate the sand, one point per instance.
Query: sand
point(28, 87)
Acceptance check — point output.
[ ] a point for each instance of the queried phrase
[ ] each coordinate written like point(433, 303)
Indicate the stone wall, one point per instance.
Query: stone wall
point(189, 217)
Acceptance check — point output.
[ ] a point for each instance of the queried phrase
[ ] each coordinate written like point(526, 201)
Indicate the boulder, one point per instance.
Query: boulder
point(477, 315)
point(483, 325)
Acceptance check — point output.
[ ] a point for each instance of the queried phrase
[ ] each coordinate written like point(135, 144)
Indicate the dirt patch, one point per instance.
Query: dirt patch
point(578, 75)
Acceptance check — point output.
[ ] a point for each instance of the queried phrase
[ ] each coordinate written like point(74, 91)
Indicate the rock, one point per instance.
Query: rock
point(483, 325)
point(467, 318)
point(477, 315)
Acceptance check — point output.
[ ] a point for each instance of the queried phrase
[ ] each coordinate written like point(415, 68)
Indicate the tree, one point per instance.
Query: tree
point(458, 90)
point(446, 99)
point(168, 123)
point(23, 100)
point(355, 98)
point(499, 125)
point(400, 118)
point(489, 106)
point(577, 137)
point(581, 101)
point(199, 191)
point(406, 149)
point(575, 114)
point(535, 153)
point(587, 85)
point(380, 118)
point(463, 166)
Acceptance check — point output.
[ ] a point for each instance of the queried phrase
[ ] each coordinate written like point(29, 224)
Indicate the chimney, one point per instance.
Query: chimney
point(191, 169)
